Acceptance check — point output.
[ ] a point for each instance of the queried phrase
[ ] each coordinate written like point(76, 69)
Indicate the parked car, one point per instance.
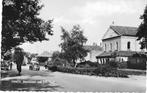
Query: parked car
point(34, 60)
point(4, 65)
point(34, 65)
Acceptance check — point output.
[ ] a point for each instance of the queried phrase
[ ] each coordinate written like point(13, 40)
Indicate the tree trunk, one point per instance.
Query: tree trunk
point(74, 63)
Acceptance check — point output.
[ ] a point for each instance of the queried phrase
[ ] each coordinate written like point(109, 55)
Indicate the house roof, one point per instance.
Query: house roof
point(104, 55)
point(125, 30)
point(45, 54)
point(93, 47)
point(120, 54)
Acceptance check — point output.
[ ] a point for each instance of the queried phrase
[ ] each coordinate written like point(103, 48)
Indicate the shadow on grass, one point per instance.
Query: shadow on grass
point(28, 85)
point(13, 73)
point(3, 75)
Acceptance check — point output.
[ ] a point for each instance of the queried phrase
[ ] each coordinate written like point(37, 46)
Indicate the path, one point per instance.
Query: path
point(45, 80)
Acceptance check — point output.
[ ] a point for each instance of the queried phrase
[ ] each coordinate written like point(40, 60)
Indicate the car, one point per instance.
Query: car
point(4, 65)
point(34, 65)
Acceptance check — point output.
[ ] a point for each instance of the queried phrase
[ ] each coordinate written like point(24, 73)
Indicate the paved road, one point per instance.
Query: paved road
point(45, 80)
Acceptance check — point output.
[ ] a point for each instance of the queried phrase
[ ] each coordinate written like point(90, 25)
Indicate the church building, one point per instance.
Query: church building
point(120, 42)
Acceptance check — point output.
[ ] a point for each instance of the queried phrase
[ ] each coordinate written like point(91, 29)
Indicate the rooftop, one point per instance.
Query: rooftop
point(45, 54)
point(125, 30)
point(120, 54)
point(93, 47)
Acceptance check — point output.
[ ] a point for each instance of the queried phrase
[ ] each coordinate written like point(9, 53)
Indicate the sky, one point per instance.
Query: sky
point(94, 17)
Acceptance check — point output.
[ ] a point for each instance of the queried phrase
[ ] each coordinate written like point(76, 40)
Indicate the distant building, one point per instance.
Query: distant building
point(94, 50)
point(45, 54)
point(121, 42)
point(44, 57)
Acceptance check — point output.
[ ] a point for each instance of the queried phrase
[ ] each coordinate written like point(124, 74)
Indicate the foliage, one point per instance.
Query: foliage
point(104, 70)
point(42, 59)
point(87, 64)
point(132, 72)
point(122, 65)
point(140, 65)
point(55, 55)
point(113, 64)
point(58, 60)
point(7, 55)
point(20, 23)
point(52, 68)
point(85, 71)
point(142, 30)
point(108, 71)
point(72, 45)
point(18, 56)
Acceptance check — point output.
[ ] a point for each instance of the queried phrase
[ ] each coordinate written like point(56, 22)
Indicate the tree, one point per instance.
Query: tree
point(20, 23)
point(72, 45)
point(142, 30)
point(56, 54)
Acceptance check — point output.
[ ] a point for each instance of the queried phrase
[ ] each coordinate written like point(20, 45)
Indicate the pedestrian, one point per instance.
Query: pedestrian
point(11, 64)
point(46, 63)
point(18, 58)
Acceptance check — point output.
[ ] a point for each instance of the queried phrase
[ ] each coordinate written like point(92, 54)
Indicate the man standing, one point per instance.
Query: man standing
point(18, 58)
point(10, 64)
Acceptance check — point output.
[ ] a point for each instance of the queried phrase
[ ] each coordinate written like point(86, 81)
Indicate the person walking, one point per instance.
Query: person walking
point(18, 58)
point(11, 64)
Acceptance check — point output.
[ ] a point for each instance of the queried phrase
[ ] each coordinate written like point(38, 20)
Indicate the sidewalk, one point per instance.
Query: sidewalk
point(44, 80)
point(136, 70)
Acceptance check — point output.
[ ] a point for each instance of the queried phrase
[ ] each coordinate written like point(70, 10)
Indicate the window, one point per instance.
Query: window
point(128, 45)
point(110, 46)
point(105, 47)
point(116, 45)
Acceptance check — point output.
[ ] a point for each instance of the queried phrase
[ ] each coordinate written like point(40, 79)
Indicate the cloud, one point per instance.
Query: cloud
point(107, 7)
point(88, 13)
point(64, 20)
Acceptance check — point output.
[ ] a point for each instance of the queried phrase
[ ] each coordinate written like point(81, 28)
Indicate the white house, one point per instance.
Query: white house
point(93, 51)
point(121, 42)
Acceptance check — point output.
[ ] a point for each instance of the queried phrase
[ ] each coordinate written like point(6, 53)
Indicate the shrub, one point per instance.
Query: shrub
point(108, 71)
point(87, 64)
point(113, 64)
point(132, 72)
point(101, 70)
point(122, 65)
point(52, 68)
point(58, 62)
point(76, 70)
point(140, 65)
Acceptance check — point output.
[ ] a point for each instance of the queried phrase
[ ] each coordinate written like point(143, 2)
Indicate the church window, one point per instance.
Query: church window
point(128, 45)
point(111, 46)
point(116, 45)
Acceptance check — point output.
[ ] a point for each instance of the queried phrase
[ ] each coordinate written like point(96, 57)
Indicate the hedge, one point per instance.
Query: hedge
point(105, 70)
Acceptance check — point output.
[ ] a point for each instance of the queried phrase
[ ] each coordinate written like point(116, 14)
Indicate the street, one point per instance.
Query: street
point(45, 80)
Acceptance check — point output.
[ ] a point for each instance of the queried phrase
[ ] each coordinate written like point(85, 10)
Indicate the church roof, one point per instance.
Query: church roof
point(125, 30)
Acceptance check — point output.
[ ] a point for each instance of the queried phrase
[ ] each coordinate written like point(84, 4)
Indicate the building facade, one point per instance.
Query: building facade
point(120, 43)
point(120, 38)
point(93, 51)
